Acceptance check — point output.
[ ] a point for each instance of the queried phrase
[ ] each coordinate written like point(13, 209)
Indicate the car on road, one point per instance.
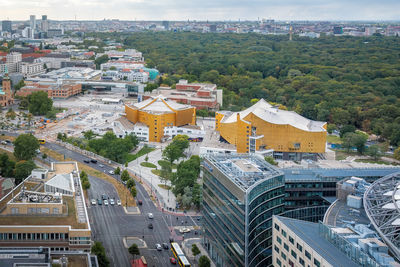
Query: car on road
point(140, 202)
point(101, 165)
point(104, 196)
point(184, 230)
point(99, 201)
point(106, 202)
point(86, 161)
point(150, 226)
point(111, 172)
point(119, 202)
point(93, 202)
point(150, 215)
point(3, 142)
point(172, 260)
point(93, 161)
point(158, 247)
point(165, 246)
point(112, 202)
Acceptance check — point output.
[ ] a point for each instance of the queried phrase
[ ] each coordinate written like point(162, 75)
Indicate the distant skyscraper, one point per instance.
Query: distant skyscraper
point(337, 30)
point(45, 23)
point(213, 28)
point(165, 23)
point(32, 20)
point(6, 26)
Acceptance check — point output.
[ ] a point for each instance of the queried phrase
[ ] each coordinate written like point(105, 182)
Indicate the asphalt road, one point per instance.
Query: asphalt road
point(111, 224)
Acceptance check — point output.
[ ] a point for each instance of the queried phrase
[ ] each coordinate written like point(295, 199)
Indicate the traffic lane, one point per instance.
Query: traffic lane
point(106, 229)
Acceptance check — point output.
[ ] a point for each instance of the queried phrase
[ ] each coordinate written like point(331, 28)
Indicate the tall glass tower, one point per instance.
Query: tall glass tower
point(240, 195)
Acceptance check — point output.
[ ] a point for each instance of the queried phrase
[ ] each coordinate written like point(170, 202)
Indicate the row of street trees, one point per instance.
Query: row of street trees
point(184, 180)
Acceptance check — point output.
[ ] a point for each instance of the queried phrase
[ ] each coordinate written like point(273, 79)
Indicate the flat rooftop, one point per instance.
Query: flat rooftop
point(244, 170)
point(341, 215)
point(25, 256)
point(309, 233)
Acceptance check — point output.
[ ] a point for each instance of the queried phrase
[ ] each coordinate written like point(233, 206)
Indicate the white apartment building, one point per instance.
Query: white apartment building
point(30, 69)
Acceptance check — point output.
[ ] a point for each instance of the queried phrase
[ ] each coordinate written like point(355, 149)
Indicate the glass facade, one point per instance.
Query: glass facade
point(237, 220)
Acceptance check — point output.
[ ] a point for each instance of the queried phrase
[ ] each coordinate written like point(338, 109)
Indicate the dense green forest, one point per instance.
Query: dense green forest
point(342, 80)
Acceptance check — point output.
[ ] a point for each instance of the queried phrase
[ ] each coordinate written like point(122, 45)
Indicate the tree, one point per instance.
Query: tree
point(85, 184)
point(25, 147)
point(130, 183)
point(374, 151)
point(146, 158)
point(397, 153)
point(39, 103)
point(195, 250)
point(100, 252)
point(23, 169)
point(6, 166)
point(117, 171)
point(134, 250)
point(100, 60)
point(204, 261)
point(347, 129)
point(89, 135)
point(11, 114)
point(356, 140)
point(133, 191)
point(270, 160)
point(172, 153)
point(125, 176)
point(19, 85)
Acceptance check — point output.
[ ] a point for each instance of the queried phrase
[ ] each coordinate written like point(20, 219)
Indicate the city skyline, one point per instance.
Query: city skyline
point(204, 10)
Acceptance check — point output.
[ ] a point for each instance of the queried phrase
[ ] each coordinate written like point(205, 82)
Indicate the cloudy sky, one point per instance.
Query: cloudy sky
point(203, 9)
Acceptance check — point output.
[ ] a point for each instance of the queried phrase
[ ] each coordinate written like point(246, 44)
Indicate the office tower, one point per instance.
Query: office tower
point(213, 28)
point(165, 23)
point(241, 193)
point(6, 26)
point(45, 23)
point(32, 20)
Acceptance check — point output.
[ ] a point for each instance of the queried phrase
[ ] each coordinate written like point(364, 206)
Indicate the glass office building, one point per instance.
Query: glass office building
point(241, 193)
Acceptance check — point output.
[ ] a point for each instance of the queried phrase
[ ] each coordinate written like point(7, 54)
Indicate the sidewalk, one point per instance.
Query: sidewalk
point(187, 247)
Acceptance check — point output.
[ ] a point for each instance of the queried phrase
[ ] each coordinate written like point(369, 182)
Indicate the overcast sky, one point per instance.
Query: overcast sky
point(202, 9)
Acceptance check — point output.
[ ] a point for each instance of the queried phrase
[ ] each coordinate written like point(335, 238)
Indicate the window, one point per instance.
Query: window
point(308, 255)
point(276, 249)
point(291, 263)
point(294, 254)
point(279, 240)
point(286, 246)
point(283, 255)
point(299, 247)
point(301, 261)
point(317, 263)
point(291, 240)
point(283, 233)
point(278, 262)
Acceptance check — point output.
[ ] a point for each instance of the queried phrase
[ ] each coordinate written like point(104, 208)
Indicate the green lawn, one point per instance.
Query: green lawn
point(148, 164)
point(163, 186)
point(162, 162)
point(156, 172)
point(333, 139)
point(140, 153)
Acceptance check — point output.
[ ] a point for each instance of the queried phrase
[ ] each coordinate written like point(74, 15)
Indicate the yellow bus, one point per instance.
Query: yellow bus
point(179, 255)
point(42, 141)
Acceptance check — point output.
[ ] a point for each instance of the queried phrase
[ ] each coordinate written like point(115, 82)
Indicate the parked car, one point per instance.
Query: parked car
point(172, 260)
point(93, 202)
point(119, 202)
point(184, 230)
point(150, 215)
point(140, 202)
point(112, 201)
point(101, 165)
point(104, 196)
point(106, 202)
point(150, 226)
point(158, 247)
point(165, 246)
point(93, 161)
point(111, 172)
point(86, 161)
point(99, 201)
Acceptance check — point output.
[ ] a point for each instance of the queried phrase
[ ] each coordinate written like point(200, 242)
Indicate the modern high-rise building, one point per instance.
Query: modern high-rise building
point(165, 23)
point(45, 23)
point(241, 193)
point(6, 26)
point(32, 22)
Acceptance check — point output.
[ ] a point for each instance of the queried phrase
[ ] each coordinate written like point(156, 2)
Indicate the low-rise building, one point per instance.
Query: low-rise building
point(199, 95)
point(33, 215)
point(73, 73)
point(31, 69)
point(54, 89)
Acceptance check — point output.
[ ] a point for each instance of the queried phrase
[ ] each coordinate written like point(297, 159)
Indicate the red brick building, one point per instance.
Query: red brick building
point(53, 89)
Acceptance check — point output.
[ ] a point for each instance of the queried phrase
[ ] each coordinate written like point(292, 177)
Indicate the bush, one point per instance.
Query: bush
point(195, 250)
